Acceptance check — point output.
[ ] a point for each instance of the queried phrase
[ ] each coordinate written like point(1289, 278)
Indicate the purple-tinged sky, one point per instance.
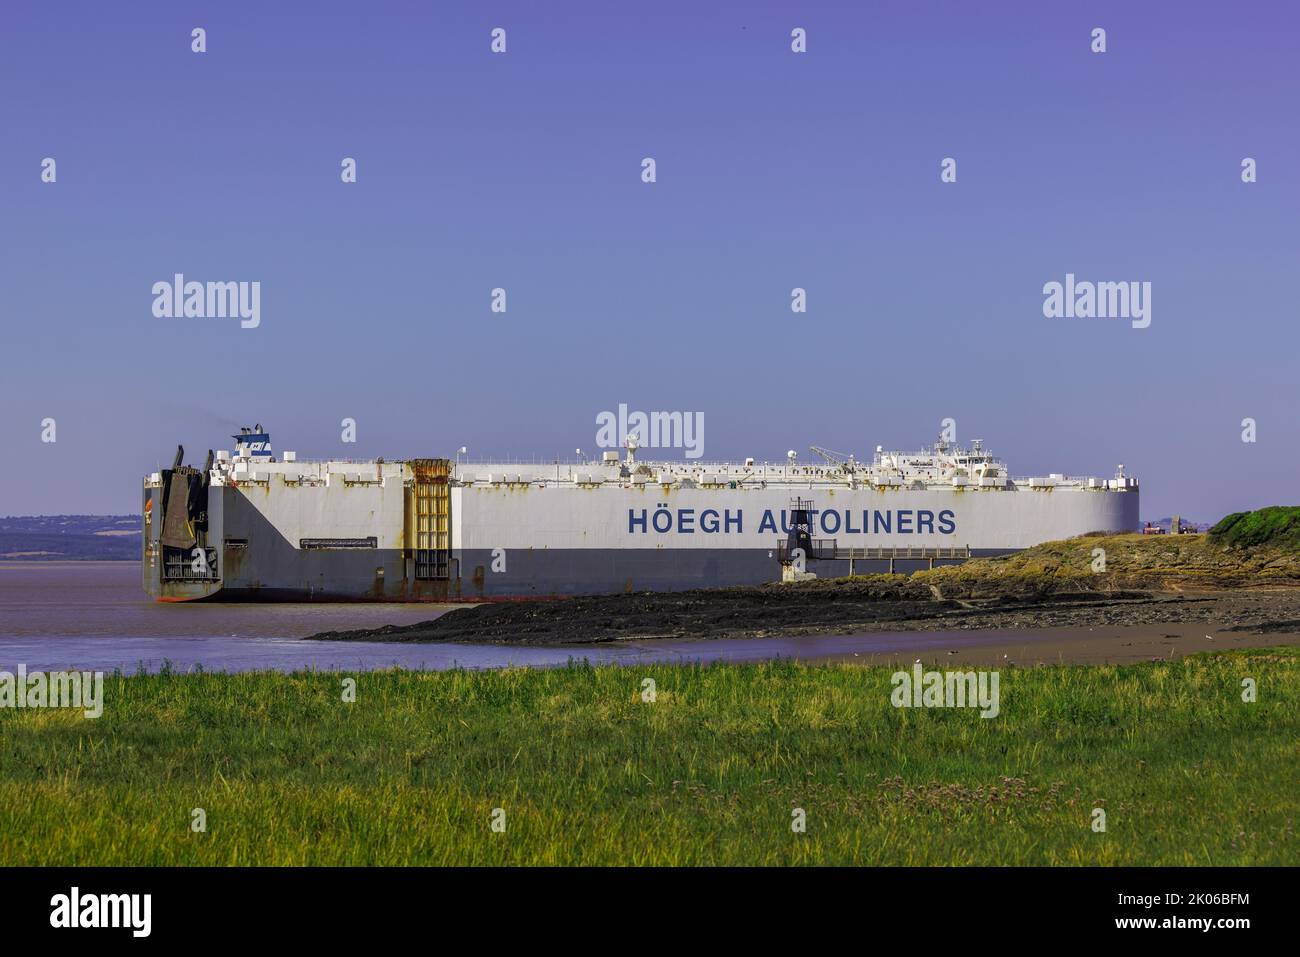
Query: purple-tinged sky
point(775, 170)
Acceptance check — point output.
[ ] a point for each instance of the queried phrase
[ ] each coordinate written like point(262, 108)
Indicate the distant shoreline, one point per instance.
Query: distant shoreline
point(37, 539)
point(64, 560)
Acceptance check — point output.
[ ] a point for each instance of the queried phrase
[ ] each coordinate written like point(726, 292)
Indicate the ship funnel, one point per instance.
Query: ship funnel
point(253, 443)
point(180, 457)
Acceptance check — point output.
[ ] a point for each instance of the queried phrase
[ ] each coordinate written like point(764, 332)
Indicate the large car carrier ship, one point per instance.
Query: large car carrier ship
point(249, 526)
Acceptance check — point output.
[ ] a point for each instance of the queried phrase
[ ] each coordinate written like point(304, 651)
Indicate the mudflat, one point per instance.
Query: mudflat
point(777, 611)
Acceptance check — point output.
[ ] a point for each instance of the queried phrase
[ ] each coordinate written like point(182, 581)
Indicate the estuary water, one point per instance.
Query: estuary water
point(95, 616)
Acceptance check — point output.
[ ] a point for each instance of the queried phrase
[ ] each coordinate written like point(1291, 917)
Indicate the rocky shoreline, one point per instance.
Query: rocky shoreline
point(848, 608)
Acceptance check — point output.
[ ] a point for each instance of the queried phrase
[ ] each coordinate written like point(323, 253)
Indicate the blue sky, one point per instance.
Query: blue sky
point(775, 170)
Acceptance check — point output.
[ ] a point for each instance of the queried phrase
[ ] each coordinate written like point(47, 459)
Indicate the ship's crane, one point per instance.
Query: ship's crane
point(847, 462)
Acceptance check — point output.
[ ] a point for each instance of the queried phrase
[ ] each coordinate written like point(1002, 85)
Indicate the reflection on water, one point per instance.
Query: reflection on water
point(64, 600)
point(95, 616)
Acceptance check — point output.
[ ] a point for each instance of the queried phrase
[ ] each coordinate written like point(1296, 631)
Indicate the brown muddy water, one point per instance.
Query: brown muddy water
point(95, 616)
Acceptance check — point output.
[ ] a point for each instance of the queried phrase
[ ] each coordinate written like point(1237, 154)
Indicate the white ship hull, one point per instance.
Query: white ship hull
point(428, 531)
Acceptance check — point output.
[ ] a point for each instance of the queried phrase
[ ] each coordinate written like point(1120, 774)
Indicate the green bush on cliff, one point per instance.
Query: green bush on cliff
point(1278, 526)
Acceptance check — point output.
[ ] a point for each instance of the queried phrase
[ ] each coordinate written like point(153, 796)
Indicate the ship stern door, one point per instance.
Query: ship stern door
point(428, 529)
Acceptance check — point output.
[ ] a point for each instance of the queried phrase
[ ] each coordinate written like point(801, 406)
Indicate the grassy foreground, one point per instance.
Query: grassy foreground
point(589, 773)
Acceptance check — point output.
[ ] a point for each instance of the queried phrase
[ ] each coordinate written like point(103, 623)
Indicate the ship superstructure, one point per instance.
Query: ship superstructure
point(252, 526)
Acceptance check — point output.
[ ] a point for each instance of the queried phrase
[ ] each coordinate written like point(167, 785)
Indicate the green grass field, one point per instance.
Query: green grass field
point(709, 773)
